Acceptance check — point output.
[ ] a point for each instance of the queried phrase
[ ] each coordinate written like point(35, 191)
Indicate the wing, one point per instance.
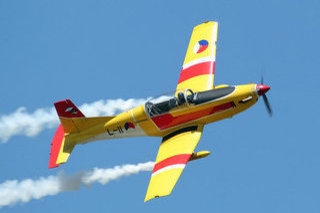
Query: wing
point(173, 155)
point(198, 67)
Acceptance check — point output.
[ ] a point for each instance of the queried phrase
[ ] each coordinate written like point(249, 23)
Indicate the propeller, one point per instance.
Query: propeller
point(262, 90)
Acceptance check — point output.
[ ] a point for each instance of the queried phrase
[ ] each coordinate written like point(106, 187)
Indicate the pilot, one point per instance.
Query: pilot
point(190, 98)
point(181, 98)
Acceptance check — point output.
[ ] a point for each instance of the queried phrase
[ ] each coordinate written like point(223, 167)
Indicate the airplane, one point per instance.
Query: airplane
point(178, 117)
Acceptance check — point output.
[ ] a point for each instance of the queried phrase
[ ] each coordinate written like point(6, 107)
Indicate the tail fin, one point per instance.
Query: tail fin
point(72, 121)
point(67, 109)
point(61, 148)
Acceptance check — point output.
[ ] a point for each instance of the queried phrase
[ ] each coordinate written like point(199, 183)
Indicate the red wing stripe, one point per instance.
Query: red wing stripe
point(177, 159)
point(204, 68)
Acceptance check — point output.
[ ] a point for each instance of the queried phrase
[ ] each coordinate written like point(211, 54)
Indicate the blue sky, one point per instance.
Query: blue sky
point(92, 50)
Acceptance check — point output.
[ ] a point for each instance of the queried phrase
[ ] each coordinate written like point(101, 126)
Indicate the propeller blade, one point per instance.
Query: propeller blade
point(267, 104)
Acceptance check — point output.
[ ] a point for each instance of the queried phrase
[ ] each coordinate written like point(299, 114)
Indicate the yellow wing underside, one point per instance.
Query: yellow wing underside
point(198, 67)
point(174, 153)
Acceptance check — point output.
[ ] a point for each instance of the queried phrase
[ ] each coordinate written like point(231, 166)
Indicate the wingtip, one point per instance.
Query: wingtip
point(210, 22)
point(53, 166)
point(147, 198)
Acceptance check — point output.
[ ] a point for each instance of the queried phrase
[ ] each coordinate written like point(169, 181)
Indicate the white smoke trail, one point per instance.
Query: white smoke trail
point(22, 122)
point(13, 191)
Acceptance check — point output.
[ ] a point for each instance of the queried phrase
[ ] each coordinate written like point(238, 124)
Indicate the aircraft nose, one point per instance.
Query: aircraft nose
point(262, 89)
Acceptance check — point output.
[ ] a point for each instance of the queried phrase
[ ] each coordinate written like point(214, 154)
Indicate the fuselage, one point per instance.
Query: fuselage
point(170, 114)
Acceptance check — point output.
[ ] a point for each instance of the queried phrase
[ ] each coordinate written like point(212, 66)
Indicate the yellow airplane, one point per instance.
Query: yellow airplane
point(178, 117)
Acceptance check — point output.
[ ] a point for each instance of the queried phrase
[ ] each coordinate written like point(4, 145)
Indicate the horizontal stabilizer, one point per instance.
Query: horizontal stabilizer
point(65, 151)
point(61, 148)
point(55, 147)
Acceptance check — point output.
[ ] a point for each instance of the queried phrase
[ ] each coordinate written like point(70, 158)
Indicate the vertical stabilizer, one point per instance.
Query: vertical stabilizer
point(61, 148)
point(67, 109)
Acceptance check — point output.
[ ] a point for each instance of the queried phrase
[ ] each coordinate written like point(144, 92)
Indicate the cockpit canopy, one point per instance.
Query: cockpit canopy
point(176, 99)
point(179, 99)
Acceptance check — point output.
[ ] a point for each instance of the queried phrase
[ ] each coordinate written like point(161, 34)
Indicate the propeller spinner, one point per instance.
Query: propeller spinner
point(262, 90)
